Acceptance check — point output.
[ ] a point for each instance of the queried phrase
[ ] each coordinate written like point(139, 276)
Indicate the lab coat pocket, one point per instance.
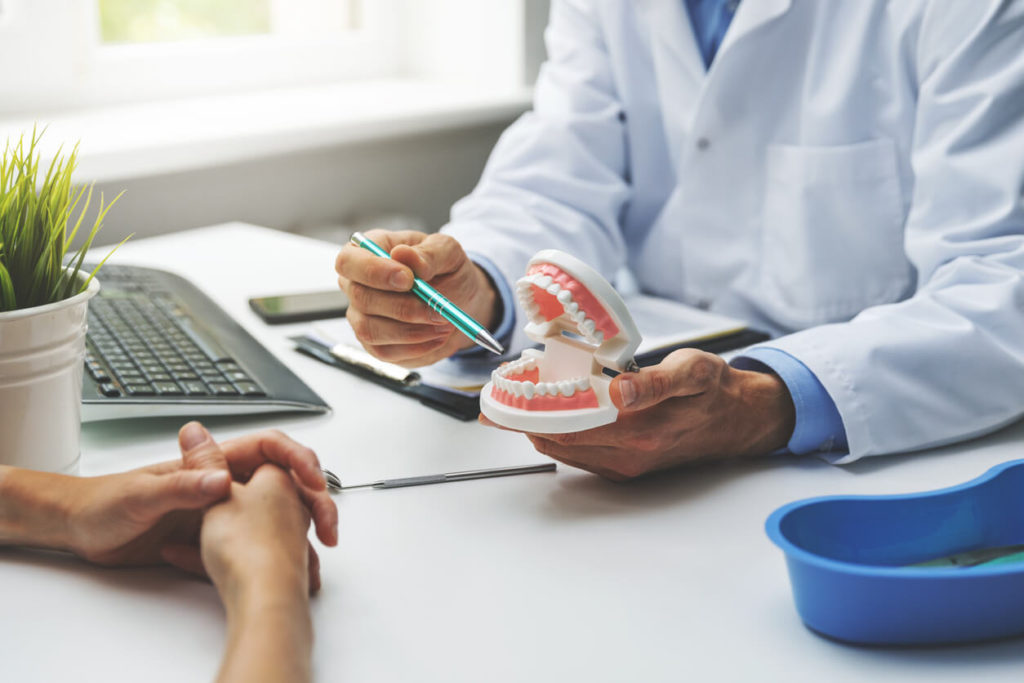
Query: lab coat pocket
point(832, 231)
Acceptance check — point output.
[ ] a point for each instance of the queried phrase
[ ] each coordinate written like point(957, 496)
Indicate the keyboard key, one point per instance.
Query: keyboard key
point(139, 390)
point(195, 388)
point(237, 376)
point(99, 374)
point(167, 388)
point(203, 340)
point(223, 389)
point(109, 390)
point(250, 389)
point(131, 377)
point(183, 376)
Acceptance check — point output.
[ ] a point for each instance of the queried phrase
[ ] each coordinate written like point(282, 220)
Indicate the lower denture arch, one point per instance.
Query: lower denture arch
point(579, 400)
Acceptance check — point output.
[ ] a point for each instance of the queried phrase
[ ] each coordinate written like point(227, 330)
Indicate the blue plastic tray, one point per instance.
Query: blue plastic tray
point(847, 554)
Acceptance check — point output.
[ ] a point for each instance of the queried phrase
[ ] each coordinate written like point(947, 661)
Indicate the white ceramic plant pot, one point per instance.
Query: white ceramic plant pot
point(41, 355)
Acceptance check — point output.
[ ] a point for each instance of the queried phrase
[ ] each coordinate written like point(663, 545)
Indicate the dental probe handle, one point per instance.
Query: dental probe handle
point(455, 476)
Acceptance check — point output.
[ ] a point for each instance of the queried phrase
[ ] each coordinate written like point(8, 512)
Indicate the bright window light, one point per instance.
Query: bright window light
point(150, 21)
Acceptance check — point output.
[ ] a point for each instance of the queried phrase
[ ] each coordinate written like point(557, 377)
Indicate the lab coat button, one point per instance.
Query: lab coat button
point(703, 144)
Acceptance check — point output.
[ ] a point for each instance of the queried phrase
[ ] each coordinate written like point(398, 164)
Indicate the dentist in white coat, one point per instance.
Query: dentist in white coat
point(847, 174)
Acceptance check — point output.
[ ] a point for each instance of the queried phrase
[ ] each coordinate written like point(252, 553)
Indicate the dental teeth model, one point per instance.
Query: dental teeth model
point(585, 327)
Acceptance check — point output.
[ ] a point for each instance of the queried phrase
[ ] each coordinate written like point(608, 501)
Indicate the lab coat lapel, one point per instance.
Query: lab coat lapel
point(751, 15)
point(678, 65)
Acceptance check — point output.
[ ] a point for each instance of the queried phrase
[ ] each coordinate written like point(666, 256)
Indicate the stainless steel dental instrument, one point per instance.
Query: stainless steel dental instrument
point(334, 483)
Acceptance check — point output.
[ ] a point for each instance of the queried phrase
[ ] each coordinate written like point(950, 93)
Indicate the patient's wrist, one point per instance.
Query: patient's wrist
point(258, 584)
point(34, 508)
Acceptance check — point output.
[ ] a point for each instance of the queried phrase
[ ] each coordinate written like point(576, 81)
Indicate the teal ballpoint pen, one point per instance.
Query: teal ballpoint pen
point(438, 302)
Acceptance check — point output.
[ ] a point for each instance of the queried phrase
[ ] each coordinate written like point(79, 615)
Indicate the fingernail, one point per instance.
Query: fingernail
point(192, 435)
point(627, 389)
point(213, 482)
point(436, 317)
point(400, 280)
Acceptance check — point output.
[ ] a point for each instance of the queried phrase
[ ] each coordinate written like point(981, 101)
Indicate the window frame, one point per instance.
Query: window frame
point(71, 68)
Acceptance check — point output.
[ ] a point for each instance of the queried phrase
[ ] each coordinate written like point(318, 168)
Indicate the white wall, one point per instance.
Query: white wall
point(420, 176)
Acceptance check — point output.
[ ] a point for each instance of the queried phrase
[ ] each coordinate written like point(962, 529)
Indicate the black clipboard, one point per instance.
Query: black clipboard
point(452, 403)
point(718, 344)
point(466, 407)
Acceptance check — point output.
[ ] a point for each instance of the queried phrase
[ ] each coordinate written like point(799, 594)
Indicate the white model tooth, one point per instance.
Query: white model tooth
point(554, 288)
point(532, 309)
point(532, 355)
point(582, 384)
point(588, 327)
point(580, 316)
point(572, 308)
point(544, 281)
point(531, 364)
point(599, 337)
point(542, 388)
point(566, 387)
point(528, 389)
point(564, 296)
point(516, 388)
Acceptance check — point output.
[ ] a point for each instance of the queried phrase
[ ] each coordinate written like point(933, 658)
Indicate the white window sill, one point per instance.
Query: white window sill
point(131, 141)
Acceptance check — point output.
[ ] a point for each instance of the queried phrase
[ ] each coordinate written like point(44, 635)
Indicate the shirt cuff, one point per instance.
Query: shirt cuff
point(503, 333)
point(819, 427)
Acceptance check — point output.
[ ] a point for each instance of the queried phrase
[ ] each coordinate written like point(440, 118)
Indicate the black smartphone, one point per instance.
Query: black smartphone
point(294, 308)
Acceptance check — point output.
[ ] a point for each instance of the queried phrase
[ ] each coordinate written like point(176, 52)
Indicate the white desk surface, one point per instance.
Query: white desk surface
point(549, 577)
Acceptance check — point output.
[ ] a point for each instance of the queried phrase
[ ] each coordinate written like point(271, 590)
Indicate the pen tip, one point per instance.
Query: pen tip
point(490, 343)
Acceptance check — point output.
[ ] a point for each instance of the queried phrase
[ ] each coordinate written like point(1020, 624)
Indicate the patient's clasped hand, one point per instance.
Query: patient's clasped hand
point(237, 512)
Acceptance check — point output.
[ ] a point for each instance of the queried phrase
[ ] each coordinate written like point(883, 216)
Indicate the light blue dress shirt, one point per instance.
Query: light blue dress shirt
point(818, 426)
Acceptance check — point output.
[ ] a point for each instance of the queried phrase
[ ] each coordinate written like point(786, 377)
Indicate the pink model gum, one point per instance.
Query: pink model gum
point(551, 308)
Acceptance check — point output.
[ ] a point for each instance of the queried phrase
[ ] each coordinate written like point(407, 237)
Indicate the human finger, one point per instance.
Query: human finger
point(438, 254)
point(182, 490)
point(323, 511)
point(198, 449)
point(246, 453)
point(411, 355)
point(314, 569)
point(686, 372)
point(377, 330)
point(185, 557)
point(401, 306)
point(362, 266)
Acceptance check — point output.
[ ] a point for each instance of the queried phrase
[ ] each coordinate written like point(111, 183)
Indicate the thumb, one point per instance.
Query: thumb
point(184, 490)
point(198, 449)
point(687, 372)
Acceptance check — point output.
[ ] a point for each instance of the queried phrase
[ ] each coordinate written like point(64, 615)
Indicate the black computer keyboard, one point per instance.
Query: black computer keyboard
point(157, 345)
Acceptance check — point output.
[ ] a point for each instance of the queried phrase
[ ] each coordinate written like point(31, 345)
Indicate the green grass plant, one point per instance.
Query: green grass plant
point(38, 225)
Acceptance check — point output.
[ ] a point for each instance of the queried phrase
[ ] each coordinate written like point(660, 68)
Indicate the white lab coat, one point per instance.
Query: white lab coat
point(849, 174)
